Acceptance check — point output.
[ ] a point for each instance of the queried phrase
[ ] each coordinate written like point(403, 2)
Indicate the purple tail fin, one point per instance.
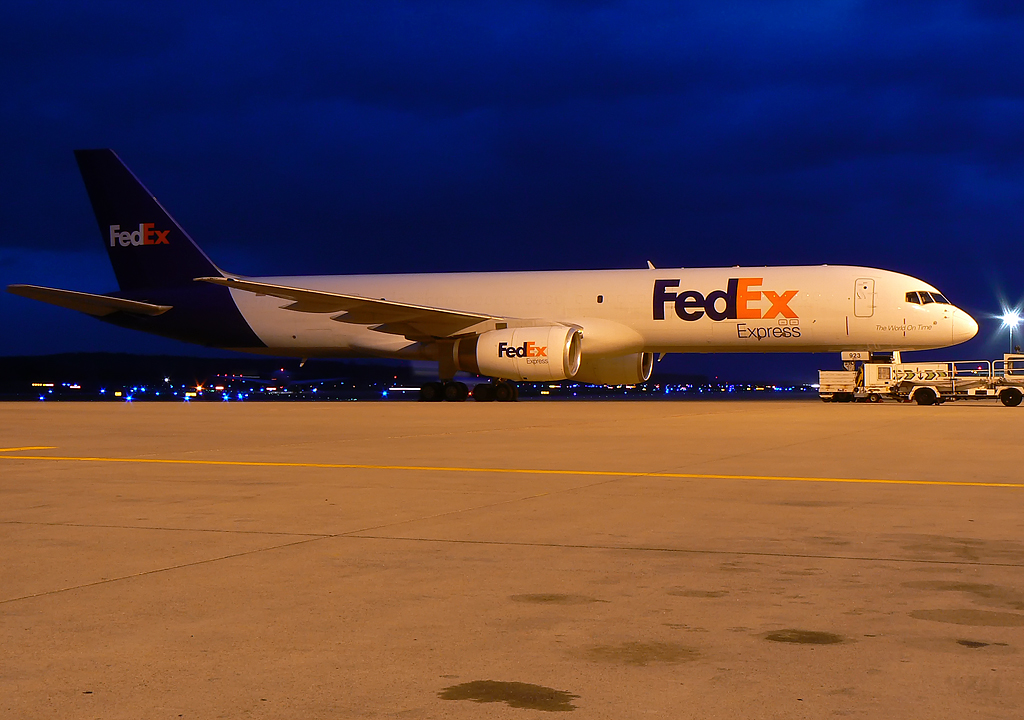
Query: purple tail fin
point(147, 248)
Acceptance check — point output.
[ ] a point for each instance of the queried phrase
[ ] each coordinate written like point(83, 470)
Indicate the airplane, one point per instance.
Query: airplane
point(589, 326)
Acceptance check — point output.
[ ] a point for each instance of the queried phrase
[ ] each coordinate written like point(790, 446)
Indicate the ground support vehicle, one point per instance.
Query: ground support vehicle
point(871, 378)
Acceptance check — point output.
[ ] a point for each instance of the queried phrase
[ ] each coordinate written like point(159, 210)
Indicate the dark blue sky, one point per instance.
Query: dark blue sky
point(418, 136)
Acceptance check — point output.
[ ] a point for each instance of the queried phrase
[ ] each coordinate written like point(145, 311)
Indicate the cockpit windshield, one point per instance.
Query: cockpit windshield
point(925, 297)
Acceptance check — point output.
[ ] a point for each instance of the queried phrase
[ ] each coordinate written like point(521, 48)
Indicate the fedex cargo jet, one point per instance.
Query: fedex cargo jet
point(593, 326)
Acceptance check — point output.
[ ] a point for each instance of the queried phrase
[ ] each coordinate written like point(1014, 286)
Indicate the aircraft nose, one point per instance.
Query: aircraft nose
point(964, 327)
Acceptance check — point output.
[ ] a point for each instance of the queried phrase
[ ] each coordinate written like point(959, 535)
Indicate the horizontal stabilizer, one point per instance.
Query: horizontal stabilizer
point(413, 321)
point(97, 305)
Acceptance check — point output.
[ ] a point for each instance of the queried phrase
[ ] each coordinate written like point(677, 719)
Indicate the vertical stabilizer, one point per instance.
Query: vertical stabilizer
point(147, 248)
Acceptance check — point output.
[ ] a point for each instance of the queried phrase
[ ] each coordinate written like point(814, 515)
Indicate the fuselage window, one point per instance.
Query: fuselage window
point(912, 298)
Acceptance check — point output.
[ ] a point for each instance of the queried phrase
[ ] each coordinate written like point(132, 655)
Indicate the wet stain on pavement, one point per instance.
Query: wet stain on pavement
point(994, 594)
point(513, 694)
point(642, 653)
point(829, 540)
point(699, 593)
point(682, 626)
point(804, 637)
point(987, 618)
point(978, 643)
point(555, 599)
point(972, 549)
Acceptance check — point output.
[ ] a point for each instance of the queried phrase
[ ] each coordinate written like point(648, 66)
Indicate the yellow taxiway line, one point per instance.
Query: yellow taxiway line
point(512, 471)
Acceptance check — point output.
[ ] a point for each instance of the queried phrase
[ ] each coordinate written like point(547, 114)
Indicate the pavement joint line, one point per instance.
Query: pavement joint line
point(307, 538)
point(155, 571)
point(167, 529)
point(517, 471)
point(567, 546)
point(486, 506)
point(682, 551)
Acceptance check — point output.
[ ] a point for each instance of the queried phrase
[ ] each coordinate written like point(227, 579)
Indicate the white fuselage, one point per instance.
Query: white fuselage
point(769, 309)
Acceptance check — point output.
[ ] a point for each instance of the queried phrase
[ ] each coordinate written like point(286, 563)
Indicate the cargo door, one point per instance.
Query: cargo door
point(864, 298)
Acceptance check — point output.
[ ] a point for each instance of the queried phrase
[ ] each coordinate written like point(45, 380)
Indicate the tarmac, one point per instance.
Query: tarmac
point(706, 559)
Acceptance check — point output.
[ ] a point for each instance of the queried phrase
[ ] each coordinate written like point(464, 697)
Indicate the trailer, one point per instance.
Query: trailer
point(870, 377)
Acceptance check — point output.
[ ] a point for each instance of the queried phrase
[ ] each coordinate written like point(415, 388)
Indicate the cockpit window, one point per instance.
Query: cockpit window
point(925, 297)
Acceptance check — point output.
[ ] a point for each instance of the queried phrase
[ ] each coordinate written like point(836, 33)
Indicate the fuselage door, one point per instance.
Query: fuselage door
point(864, 297)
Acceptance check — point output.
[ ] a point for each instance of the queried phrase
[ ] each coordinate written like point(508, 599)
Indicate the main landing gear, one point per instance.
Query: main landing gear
point(500, 391)
point(451, 391)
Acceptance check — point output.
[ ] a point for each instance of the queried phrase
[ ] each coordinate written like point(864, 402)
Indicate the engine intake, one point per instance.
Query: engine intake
point(531, 353)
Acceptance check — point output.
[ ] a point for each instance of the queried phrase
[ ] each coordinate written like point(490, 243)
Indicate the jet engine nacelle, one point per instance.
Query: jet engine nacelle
point(622, 370)
point(530, 353)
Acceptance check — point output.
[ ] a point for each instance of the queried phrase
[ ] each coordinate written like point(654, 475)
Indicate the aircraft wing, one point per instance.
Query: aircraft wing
point(97, 305)
point(416, 322)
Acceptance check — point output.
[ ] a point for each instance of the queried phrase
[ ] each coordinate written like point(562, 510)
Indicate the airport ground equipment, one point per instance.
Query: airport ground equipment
point(872, 378)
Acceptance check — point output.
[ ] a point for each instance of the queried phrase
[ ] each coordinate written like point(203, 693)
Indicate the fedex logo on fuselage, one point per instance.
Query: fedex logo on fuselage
point(730, 304)
point(147, 234)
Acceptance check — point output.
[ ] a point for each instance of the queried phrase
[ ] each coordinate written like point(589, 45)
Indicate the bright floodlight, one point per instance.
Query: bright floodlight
point(1011, 318)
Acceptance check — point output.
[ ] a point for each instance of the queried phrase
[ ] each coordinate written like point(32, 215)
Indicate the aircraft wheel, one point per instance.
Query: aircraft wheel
point(503, 392)
point(484, 392)
point(923, 396)
point(432, 392)
point(1011, 397)
point(455, 392)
